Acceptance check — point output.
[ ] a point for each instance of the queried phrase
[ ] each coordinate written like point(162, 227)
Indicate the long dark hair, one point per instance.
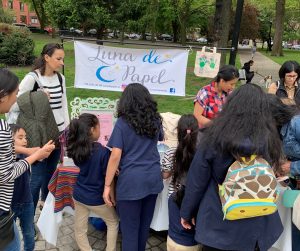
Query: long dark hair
point(48, 49)
point(227, 73)
point(282, 113)
point(187, 131)
point(138, 108)
point(288, 67)
point(245, 126)
point(79, 140)
point(9, 82)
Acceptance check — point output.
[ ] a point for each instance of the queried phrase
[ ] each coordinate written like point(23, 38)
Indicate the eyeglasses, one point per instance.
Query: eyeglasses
point(291, 76)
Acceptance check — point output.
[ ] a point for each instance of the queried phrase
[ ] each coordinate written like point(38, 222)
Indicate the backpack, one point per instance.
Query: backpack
point(249, 189)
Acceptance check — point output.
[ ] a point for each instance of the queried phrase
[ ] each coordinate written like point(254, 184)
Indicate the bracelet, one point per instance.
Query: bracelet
point(107, 185)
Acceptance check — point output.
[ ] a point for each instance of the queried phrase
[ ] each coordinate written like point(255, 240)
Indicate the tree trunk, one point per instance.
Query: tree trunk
point(175, 27)
point(277, 46)
point(222, 23)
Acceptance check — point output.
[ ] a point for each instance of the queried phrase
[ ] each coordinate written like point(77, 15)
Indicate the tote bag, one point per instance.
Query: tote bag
point(207, 64)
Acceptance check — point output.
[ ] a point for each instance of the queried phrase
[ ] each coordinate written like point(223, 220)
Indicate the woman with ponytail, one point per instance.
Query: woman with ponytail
point(176, 163)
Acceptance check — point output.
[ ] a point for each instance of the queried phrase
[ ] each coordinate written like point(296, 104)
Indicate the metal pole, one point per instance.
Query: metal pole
point(62, 44)
point(236, 31)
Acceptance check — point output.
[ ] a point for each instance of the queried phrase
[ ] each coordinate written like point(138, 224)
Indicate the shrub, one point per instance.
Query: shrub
point(16, 46)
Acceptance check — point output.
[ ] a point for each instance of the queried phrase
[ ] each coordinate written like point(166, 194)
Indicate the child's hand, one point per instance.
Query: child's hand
point(46, 150)
point(187, 225)
point(108, 199)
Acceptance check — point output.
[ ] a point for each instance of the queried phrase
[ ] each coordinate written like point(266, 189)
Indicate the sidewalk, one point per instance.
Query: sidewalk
point(66, 239)
point(262, 64)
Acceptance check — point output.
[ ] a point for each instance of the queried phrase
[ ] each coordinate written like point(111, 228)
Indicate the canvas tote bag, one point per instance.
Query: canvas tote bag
point(207, 64)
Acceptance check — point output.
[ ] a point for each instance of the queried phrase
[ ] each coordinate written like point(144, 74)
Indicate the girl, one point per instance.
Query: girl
point(210, 98)
point(134, 152)
point(244, 127)
point(287, 86)
point(91, 158)
point(45, 76)
point(9, 168)
point(176, 162)
point(22, 203)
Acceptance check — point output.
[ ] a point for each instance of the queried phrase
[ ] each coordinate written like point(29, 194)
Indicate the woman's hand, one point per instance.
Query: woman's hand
point(107, 196)
point(186, 224)
point(285, 167)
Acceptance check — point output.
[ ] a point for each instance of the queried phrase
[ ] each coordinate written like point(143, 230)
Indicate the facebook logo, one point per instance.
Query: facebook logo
point(172, 90)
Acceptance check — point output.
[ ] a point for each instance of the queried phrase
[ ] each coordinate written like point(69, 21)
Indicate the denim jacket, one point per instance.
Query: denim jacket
point(290, 133)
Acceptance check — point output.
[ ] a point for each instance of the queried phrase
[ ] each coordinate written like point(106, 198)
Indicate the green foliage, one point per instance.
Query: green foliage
point(6, 16)
point(16, 45)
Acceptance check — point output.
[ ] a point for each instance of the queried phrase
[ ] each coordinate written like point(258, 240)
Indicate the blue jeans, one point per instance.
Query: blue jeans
point(25, 214)
point(41, 173)
point(15, 245)
point(135, 220)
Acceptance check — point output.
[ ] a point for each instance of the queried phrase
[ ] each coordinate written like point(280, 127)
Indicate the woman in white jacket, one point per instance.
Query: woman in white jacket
point(45, 77)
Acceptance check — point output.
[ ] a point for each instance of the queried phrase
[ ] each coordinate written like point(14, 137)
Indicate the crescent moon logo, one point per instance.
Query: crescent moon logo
point(100, 77)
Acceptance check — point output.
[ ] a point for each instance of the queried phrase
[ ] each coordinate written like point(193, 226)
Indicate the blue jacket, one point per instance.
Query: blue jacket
point(290, 133)
point(201, 200)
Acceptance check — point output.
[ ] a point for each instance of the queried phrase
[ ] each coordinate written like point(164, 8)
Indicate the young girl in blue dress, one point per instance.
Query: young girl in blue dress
point(91, 158)
point(134, 152)
point(176, 163)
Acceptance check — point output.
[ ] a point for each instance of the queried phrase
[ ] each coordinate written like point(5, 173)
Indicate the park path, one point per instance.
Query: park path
point(262, 65)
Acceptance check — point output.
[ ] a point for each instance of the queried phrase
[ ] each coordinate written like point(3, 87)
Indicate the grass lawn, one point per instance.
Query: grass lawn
point(179, 105)
point(288, 54)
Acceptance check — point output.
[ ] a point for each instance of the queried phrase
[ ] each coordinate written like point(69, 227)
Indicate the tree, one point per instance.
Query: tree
point(5, 16)
point(222, 21)
point(279, 25)
point(38, 6)
point(250, 24)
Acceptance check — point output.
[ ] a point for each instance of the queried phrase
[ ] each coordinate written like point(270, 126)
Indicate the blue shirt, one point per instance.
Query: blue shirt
point(176, 232)
point(90, 181)
point(202, 201)
point(22, 192)
point(140, 173)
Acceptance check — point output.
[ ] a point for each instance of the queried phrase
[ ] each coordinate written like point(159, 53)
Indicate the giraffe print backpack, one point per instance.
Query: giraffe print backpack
point(249, 189)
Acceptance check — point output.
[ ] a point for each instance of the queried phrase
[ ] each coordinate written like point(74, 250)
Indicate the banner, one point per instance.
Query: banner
point(162, 71)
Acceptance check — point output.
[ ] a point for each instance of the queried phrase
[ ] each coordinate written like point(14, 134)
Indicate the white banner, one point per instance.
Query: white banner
point(162, 71)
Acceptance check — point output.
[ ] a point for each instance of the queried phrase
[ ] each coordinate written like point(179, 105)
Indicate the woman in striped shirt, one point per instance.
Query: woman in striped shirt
point(45, 77)
point(9, 168)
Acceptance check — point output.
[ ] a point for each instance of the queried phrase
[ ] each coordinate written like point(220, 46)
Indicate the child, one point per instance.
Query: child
point(22, 203)
point(134, 151)
point(244, 127)
point(176, 162)
point(10, 169)
point(92, 158)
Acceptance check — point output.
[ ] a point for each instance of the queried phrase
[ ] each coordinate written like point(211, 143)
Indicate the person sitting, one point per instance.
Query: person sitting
point(249, 74)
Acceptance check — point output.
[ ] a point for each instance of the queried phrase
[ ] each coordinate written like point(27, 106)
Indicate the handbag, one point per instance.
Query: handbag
point(6, 229)
point(207, 64)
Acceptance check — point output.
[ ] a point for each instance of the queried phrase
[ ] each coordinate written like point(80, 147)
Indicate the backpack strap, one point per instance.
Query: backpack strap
point(60, 81)
point(38, 84)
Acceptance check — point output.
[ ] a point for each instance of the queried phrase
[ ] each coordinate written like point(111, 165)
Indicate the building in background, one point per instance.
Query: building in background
point(22, 12)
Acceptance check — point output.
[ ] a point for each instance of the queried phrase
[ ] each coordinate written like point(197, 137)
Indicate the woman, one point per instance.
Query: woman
point(287, 86)
point(244, 127)
point(134, 152)
point(210, 98)
point(45, 77)
point(9, 168)
point(249, 74)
